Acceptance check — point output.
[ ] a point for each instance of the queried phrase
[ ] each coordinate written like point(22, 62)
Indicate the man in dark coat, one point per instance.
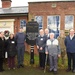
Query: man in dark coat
point(41, 43)
point(70, 48)
point(2, 42)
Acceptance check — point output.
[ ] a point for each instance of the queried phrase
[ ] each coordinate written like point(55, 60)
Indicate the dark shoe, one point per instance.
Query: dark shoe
point(55, 72)
point(13, 68)
point(73, 71)
point(51, 70)
point(2, 70)
point(18, 66)
point(68, 70)
point(41, 68)
point(22, 65)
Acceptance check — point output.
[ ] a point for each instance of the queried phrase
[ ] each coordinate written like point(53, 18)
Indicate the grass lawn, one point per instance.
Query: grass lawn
point(33, 69)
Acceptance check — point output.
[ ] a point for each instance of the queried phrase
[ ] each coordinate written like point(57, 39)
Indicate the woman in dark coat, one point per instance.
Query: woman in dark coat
point(2, 42)
point(11, 50)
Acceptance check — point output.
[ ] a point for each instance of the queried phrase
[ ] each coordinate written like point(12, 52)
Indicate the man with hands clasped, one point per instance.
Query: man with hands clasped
point(53, 49)
point(41, 43)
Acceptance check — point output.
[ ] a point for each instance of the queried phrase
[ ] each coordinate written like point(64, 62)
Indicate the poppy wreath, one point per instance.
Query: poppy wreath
point(6, 33)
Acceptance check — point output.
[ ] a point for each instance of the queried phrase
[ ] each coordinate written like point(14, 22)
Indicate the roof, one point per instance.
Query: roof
point(14, 10)
point(52, 1)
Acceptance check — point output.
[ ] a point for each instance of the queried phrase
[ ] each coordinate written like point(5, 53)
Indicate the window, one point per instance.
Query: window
point(69, 22)
point(22, 23)
point(53, 24)
point(39, 19)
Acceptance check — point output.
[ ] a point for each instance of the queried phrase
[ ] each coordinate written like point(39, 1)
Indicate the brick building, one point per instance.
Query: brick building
point(55, 15)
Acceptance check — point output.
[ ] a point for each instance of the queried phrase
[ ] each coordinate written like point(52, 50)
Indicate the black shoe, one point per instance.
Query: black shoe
point(51, 70)
point(55, 72)
point(18, 66)
point(2, 70)
point(68, 70)
point(22, 65)
point(73, 70)
point(42, 68)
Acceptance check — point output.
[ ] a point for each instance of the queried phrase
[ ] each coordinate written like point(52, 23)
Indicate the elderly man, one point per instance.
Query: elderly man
point(53, 49)
point(47, 33)
point(70, 48)
point(41, 43)
point(47, 37)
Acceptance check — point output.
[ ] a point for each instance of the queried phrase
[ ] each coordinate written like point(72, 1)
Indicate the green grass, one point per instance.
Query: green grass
point(33, 69)
point(27, 60)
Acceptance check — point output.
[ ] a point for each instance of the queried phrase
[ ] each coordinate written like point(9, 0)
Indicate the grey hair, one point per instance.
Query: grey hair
point(51, 33)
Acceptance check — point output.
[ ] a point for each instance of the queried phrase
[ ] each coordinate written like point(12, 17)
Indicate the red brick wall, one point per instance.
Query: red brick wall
point(6, 4)
point(45, 9)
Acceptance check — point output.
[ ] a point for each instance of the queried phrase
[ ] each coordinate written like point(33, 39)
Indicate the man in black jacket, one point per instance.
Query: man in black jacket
point(41, 43)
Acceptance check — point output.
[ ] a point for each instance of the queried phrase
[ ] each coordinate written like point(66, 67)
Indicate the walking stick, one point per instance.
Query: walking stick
point(45, 63)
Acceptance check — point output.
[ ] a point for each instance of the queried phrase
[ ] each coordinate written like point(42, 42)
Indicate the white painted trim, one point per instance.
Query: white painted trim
point(4, 20)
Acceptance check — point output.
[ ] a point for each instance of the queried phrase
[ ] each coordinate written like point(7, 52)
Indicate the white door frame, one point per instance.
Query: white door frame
point(7, 24)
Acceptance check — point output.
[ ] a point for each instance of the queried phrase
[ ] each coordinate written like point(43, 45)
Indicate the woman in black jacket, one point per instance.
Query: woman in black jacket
point(11, 50)
point(2, 42)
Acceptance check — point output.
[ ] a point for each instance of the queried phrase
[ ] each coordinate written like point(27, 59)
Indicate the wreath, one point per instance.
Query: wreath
point(6, 33)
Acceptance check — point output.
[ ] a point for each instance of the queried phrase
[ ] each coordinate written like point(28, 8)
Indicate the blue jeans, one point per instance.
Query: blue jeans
point(20, 54)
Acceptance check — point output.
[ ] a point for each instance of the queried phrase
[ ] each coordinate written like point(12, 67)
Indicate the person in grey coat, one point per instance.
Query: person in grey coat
point(41, 43)
point(53, 49)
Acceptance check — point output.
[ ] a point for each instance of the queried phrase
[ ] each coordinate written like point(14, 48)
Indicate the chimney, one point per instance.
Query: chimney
point(6, 3)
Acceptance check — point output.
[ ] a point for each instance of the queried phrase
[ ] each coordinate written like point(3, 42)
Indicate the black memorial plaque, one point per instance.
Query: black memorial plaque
point(31, 32)
point(31, 35)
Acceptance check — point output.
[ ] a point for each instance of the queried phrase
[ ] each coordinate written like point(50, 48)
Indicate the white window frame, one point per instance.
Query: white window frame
point(23, 24)
point(54, 27)
point(38, 19)
point(69, 22)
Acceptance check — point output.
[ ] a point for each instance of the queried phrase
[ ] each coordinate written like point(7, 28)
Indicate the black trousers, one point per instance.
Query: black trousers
point(1, 64)
point(71, 60)
point(42, 57)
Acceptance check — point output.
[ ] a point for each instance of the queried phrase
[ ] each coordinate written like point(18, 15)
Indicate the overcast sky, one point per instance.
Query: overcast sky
point(24, 2)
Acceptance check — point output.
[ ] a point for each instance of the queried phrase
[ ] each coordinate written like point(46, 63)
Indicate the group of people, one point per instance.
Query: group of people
point(47, 45)
point(52, 47)
point(14, 45)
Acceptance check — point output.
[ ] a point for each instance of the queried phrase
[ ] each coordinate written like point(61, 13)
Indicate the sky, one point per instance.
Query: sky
point(23, 2)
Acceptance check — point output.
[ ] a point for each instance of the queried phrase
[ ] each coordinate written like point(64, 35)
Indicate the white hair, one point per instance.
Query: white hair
point(51, 33)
